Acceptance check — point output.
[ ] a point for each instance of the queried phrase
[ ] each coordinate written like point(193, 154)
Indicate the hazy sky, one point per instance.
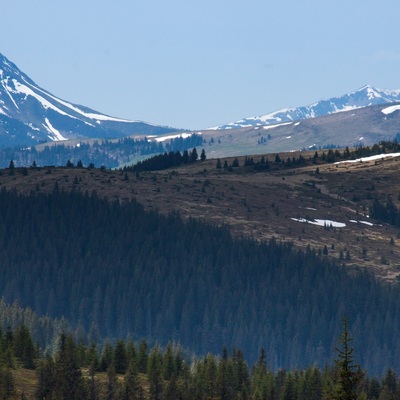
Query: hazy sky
point(196, 64)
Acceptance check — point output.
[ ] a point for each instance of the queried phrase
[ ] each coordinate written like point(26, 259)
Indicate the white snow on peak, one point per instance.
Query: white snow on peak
point(366, 95)
point(346, 108)
point(9, 90)
point(20, 88)
point(389, 110)
point(96, 116)
point(57, 135)
point(372, 93)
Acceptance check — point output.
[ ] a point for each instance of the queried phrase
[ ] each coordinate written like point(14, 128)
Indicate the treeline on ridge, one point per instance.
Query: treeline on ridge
point(167, 160)
point(278, 161)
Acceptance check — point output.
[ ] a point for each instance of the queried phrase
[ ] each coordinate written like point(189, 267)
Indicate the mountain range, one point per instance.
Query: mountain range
point(31, 115)
point(362, 126)
point(363, 97)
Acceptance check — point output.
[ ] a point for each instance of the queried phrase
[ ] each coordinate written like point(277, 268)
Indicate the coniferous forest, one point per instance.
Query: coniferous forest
point(114, 270)
point(126, 370)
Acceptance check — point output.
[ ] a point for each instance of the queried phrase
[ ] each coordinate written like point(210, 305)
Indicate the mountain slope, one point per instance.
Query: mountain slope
point(367, 125)
point(363, 97)
point(30, 114)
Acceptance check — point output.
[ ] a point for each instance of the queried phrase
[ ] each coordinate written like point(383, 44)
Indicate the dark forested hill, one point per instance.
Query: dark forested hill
point(120, 270)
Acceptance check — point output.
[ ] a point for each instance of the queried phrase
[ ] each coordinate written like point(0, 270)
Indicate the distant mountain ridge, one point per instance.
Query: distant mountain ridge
point(363, 97)
point(30, 114)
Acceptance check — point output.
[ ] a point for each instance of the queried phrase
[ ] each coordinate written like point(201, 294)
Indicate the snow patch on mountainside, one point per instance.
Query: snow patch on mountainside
point(277, 125)
point(56, 134)
point(391, 109)
point(100, 117)
point(321, 222)
point(23, 89)
point(182, 135)
point(370, 158)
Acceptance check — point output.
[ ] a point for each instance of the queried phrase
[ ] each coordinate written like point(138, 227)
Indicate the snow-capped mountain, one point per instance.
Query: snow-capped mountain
point(363, 97)
point(30, 114)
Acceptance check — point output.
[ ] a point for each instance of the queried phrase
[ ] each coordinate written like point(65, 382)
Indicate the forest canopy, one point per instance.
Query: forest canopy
point(117, 270)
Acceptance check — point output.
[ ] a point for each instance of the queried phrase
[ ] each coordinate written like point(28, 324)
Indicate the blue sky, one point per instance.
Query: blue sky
point(195, 64)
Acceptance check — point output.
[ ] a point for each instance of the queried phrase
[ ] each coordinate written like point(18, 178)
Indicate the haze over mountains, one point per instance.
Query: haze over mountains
point(30, 115)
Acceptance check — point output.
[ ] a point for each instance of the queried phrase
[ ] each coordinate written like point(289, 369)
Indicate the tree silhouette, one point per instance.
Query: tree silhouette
point(349, 374)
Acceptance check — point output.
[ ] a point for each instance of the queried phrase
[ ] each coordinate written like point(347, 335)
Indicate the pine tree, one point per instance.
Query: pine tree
point(112, 383)
point(11, 167)
point(142, 357)
point(193, 155)
point(154, 374)
point(45, 379)
point(24, 348)
point(235, 163)
point(92, 357)
point(106, 356)
point(348, 374)
point(130, 389)
point(168, 363)
point(93, 386)
point(171, 391)
point(7, 384)
point(120, 357)
point(69, 383)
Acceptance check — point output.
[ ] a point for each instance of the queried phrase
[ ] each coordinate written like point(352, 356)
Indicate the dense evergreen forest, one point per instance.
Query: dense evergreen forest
point(116, 270)
point(167, 160)
point(108, 153)
point(125, 370)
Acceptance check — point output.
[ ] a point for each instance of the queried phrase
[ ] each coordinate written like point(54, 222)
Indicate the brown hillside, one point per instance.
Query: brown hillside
point(258, 204)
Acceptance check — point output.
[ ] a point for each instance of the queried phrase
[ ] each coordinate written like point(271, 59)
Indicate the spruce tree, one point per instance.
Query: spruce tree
point(112, 383)
point(45, 379)
point(348, 374)
point(93, 386)
point(154, 374)
point(120, 357)
point(24, 348)
point(7, 384)
point(130, 389)
point(142, 357)
point(69, 383)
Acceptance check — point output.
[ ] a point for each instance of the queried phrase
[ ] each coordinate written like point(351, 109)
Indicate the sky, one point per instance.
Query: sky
point(196, 64)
